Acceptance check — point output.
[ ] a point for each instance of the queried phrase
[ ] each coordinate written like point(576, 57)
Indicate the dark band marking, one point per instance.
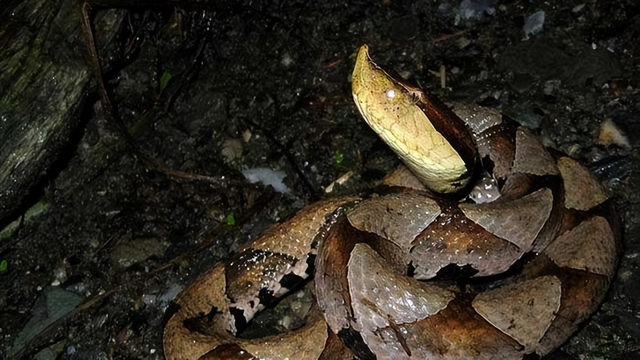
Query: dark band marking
point(411, 270)
point(399, 335)
point(202, 323)
point(239, 319)
point(173, 309)
point(311, 264)
point(266, 297)
point(355, 342)
point(290, 281)
point(455, 271)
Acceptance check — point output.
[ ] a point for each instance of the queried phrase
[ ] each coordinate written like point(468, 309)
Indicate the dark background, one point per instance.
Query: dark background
point(105, 219)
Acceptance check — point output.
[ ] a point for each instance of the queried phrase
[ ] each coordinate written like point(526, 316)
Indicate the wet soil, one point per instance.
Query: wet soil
point(133, 207)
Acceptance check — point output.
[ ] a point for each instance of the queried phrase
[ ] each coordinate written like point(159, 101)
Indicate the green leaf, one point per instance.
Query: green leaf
point(3, 266)
point(230, 220)
point(338, 158)
point(164, 79)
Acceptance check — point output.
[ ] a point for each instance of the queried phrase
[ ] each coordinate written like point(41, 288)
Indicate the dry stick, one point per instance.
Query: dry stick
point(32, 347)
point(448, 36)
point(87, 304)
point(112, 114)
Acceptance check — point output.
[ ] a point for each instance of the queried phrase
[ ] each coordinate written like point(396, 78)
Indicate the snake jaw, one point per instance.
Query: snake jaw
point(396, 112)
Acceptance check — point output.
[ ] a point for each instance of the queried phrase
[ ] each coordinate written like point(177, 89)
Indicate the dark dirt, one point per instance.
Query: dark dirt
point(206, 91)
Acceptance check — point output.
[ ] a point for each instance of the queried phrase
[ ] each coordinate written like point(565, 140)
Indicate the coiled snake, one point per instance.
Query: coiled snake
point(509, 247)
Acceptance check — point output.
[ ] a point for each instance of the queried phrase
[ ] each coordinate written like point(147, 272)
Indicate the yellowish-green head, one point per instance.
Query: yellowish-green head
point(396, 112)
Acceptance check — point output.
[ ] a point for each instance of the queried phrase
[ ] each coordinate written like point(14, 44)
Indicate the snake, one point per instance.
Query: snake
point(484, 244)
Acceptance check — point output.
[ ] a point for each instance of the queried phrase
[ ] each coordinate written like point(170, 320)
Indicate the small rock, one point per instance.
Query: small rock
point(551, 86)
point(246, 135)
point(286, 60)
point(611, 134)
point(534, 23)
point(231, 150)
point(136, 250)
point(475, 9)
point(267, 177)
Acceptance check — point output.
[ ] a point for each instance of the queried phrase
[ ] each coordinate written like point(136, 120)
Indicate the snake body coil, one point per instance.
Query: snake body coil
point(509, 247)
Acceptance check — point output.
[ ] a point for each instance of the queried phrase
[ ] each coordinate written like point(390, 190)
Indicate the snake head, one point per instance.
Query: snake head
point(431, 140)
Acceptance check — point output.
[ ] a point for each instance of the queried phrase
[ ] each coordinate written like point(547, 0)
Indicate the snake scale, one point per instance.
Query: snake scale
point(484, 245)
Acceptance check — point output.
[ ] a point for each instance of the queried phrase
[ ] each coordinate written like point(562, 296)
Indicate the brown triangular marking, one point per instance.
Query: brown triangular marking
point(523, 310)
point(582, 190)
point(518, 221)
point(589, 246)
point(531, 157)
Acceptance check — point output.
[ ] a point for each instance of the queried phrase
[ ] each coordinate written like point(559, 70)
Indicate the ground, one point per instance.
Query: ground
point(121, 223)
